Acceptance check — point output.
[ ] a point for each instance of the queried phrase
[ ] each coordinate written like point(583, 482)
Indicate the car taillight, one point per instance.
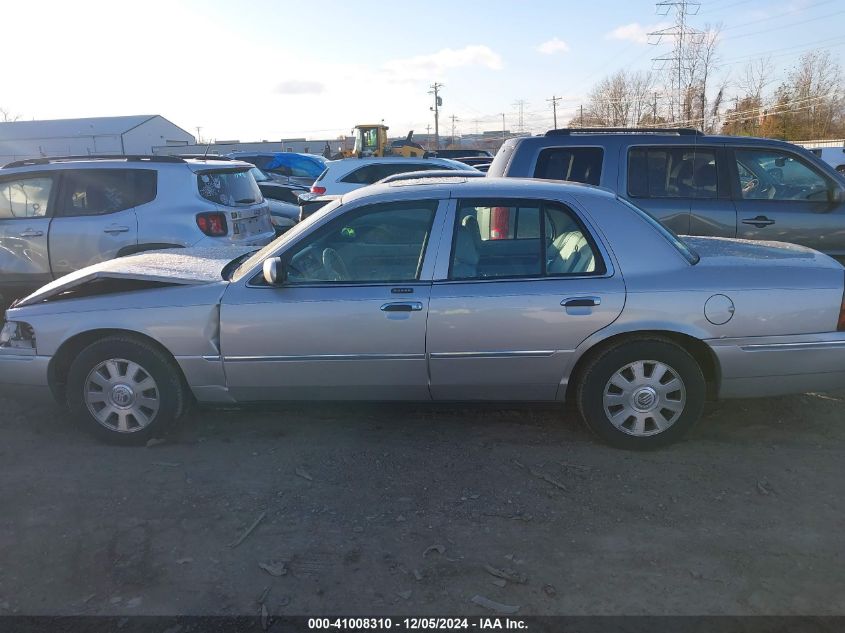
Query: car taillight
point(213, 224)
point(318, 190)
point(840, 326)
point(499, 223)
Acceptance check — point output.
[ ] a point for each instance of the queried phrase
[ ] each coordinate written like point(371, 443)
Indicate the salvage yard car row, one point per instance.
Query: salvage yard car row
point(444, 286)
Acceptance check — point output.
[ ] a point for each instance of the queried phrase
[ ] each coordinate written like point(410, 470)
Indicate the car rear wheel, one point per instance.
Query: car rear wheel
point(641, 394)
point(124, 390)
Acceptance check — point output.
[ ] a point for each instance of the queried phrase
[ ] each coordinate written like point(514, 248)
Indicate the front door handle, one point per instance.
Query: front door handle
point(114, 230)
point(581, 302)
point(31, 233)
point(760, 221)
point(403, 306)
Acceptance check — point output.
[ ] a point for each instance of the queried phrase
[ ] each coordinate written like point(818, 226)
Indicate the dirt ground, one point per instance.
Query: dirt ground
point(398, 509)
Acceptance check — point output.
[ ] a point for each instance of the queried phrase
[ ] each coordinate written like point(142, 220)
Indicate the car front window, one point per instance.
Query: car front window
point(258, 257)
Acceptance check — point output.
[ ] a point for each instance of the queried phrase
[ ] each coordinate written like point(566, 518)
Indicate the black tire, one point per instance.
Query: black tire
point(168, 391)
point(595, 381)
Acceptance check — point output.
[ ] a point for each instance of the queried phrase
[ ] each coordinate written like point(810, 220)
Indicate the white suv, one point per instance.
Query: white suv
point(58, 215)
point(343, 176)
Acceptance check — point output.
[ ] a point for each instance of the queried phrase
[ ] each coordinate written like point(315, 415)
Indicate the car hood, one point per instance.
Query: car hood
point(716, 251)
point(188, 266)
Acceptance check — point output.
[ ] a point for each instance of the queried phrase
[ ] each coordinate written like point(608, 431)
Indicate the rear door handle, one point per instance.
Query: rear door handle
point(760, 221)
point(114, 230)
point(403, 306)
point(31, 233)
point(581, 302)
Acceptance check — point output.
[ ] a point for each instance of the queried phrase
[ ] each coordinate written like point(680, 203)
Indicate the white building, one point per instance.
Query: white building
point(102, 135)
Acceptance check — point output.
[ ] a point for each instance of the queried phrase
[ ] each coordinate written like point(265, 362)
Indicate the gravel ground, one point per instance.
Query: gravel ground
point(402, 509)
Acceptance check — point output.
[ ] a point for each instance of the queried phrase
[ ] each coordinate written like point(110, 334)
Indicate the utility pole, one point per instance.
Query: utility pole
point(454, 118)
point(554, 101)
point(476, 121)
point(581, 123)
point(428, 135)
point(503, 127)
point(438, 101)
point(654, 111)
point(683, 35)
point(199, 137)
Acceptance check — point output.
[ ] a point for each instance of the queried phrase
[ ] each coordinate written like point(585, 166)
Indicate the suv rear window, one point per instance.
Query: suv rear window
point(230, 188)
point(576, 164)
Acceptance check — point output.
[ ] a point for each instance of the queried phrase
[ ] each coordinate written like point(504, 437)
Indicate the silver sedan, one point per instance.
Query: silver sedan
point(442, 289)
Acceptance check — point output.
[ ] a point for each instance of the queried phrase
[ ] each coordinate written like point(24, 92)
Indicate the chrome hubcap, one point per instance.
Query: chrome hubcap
point(122, 395)
point(644, 398)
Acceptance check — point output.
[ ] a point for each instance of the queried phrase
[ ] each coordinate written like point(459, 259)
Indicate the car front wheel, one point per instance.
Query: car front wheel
point(124, 390)
point(641, 394)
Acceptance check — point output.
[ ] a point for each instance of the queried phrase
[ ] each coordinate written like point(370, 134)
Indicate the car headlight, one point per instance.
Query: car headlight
point(18, 335)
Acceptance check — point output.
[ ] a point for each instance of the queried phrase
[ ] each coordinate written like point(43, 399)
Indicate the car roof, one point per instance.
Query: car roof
point(456, 185)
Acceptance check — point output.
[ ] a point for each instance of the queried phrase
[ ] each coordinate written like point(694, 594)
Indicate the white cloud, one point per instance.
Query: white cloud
point(635, 32)
point(298, 87)
point(435, 64)
point(553, 46)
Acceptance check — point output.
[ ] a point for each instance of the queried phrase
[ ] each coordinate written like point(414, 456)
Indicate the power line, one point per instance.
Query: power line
point(778, 15)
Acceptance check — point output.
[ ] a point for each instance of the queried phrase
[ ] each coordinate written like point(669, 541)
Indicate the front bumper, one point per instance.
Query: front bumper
point(19, 368)
point(780, 365)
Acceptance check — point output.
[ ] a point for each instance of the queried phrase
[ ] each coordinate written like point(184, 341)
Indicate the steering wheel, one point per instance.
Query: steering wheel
point(334, 266)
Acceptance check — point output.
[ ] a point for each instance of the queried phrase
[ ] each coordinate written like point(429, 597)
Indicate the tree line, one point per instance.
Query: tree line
point(692, 91)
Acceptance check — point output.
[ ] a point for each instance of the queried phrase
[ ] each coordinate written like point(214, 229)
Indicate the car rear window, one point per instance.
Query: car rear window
point(228, 187)
point(672, 172)
point(576, 164)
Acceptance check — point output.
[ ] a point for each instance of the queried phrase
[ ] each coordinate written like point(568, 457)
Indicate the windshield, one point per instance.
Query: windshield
point(228, 187)
point(259, 256)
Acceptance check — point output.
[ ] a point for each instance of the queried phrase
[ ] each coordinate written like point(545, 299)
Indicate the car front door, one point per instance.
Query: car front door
point(350, 320)
point(780, 196)
point(95, 218)
point(26, 204)
point(524, 284)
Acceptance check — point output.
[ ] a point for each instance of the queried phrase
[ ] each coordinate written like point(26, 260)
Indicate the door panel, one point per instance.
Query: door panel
point(512, 340)
point(25, 209)
point(333, 343)
point(95, 218)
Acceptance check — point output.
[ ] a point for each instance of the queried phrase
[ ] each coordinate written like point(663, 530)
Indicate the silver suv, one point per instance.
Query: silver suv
point(61, 214)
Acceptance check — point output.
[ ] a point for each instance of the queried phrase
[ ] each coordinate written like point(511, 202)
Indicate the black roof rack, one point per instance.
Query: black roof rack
point(126, 157)
point(680, 131)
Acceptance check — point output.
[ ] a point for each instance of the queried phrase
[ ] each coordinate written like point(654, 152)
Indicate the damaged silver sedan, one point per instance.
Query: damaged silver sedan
point(442, 289)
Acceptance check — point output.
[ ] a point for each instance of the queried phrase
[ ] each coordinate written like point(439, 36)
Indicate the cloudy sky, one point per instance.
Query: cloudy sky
point(264, 69)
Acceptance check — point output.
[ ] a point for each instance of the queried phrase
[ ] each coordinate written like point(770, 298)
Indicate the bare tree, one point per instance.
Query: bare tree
point(6, 116)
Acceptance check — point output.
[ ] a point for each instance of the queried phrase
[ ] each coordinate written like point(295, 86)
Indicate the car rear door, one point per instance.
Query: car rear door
point(26, 204)
point(95, 217)
point(513, 298)
point(686, 187)
point(780, 196)
point(349, 322)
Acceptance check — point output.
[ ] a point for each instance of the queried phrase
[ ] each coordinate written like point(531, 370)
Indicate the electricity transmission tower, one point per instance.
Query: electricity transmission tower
point(684, 37)
point(521, 105)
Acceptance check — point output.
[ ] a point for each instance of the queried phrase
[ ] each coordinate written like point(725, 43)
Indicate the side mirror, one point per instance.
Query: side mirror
point(274, 271)
point(837, 195)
